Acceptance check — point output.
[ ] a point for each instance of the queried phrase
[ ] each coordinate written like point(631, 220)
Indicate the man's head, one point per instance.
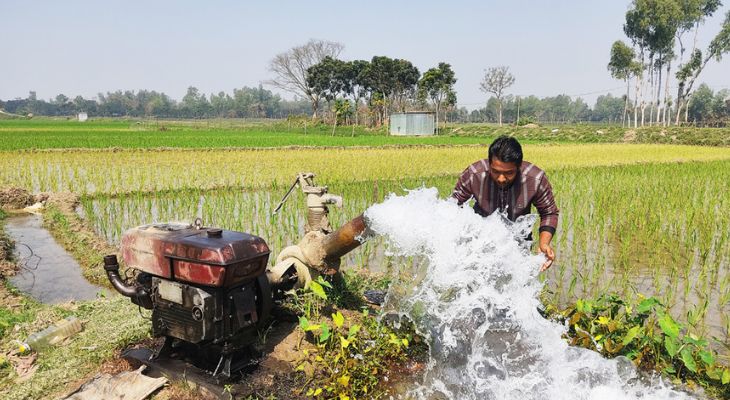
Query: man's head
point(505, 158)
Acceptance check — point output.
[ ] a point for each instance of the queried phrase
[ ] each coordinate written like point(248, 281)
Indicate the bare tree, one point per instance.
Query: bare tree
point(291, 67)
point(495, 81)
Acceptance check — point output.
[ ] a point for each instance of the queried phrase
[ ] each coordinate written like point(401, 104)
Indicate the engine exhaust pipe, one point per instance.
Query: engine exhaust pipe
point(138, 294)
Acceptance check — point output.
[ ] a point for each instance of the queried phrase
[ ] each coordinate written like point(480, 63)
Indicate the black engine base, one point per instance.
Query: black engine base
point(206, 366)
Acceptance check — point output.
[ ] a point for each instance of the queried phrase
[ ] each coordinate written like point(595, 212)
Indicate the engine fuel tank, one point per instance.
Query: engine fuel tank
point(204, 256)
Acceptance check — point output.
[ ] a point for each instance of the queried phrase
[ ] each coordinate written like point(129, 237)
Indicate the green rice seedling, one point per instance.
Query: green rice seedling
point(627, 228)
point(115, 172)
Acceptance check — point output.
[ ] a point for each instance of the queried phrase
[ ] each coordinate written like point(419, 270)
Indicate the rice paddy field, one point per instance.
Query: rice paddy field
point(636, 218)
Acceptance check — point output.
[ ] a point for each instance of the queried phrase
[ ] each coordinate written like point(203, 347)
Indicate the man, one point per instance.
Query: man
point(503, 182)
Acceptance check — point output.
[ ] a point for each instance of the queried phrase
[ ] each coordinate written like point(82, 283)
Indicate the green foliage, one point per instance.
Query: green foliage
point(350, 352)
point(351, 284)
point(648, 335)
point(309, 302)
point(622, 58)
point(330, 78)
point(525, 120)
point(720, 44)
point(342, 110)
point(9, 317)
point(437, 84)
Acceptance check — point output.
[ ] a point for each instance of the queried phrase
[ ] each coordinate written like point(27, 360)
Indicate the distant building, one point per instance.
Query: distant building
point(413, 123)
point(83, 116)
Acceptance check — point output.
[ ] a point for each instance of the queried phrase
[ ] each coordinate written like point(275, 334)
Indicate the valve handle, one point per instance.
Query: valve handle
point(286, 196)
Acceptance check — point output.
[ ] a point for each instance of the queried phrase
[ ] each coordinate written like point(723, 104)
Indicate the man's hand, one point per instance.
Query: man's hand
point(545, 248)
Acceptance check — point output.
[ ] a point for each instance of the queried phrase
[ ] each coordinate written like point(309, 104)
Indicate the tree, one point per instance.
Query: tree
point(358, 84)
point(700, 108)
point(623, 66)
point(721, 105)
point(689, 72)
point(495, 81)
point(389, 83)
point(405, 79)
point(329, 78)
point(291, 68)
point(654, 26)
point(609, 108)
point(194, 104)
point(438, 85)
point(658, 27)
point(159, 105)
point(221, 104)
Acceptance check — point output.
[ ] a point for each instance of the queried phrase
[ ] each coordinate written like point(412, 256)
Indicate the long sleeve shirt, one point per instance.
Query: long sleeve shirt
point(530, 187)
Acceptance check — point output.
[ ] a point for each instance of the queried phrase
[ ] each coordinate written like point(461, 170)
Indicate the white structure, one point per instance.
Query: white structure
point(414, 123)
point(83, 116)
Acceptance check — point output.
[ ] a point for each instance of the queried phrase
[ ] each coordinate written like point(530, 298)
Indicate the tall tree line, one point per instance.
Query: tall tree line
point(547, 110)
point(706, 108)
point(245, 102)
point(663, 35)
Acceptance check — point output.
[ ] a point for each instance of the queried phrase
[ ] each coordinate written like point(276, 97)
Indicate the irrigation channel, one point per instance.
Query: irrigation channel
point(475, 298)
point(48, 273)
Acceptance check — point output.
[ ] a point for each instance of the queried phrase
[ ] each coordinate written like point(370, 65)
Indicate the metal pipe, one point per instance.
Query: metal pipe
point(138, 294)
point(345, 239)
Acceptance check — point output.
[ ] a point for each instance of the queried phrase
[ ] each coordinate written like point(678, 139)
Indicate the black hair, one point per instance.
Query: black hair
point(506, 149)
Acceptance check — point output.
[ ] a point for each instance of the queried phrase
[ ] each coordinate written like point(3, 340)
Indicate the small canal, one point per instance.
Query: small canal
point(47, 272)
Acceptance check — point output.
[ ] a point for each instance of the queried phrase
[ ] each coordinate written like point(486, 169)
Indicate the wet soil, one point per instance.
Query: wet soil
point(15, 198)
point(47, 273)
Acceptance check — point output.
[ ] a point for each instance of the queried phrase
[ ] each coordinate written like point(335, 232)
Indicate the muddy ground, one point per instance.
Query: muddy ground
point(15, 198)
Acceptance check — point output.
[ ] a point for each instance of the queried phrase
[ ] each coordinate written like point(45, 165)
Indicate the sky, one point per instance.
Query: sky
point(86, 47)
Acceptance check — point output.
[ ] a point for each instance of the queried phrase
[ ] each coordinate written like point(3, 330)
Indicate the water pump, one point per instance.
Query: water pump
point(210, 290)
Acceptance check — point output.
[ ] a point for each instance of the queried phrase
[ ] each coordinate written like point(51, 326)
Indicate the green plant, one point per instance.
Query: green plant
point(350, 353)
point(525, 120)
point(647, 334)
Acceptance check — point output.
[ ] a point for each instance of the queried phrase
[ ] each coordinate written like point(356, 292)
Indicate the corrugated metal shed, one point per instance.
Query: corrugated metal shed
point(412, 124)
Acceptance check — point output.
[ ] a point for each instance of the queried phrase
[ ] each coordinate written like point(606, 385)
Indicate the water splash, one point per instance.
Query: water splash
point(477, 302)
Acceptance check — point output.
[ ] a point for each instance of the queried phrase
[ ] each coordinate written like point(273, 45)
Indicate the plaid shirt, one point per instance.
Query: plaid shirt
point(530, 187)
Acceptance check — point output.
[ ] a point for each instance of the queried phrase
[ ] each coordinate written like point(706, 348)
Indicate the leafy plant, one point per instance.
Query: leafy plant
point(647, 334)
point(350, 353)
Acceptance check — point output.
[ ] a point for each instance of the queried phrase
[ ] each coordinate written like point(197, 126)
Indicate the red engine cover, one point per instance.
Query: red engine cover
point(207, 256)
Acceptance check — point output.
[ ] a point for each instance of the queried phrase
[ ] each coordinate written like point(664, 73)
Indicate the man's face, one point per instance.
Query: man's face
point(502, 173)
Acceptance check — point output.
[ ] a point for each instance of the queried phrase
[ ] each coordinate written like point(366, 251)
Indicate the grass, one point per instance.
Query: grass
point(109, 324)
point(53, 134)
point(22, 134)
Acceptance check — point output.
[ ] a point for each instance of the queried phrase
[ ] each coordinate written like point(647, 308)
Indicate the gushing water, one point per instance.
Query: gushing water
point(477, 303)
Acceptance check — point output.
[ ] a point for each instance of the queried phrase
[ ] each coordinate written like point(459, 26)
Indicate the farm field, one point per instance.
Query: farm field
point(648, 228)
point(636, 218)
point(143, 134)
point(50, 134)
point(122, 171)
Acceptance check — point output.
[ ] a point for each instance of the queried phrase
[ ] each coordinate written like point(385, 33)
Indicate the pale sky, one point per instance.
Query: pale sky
point(87, 47)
